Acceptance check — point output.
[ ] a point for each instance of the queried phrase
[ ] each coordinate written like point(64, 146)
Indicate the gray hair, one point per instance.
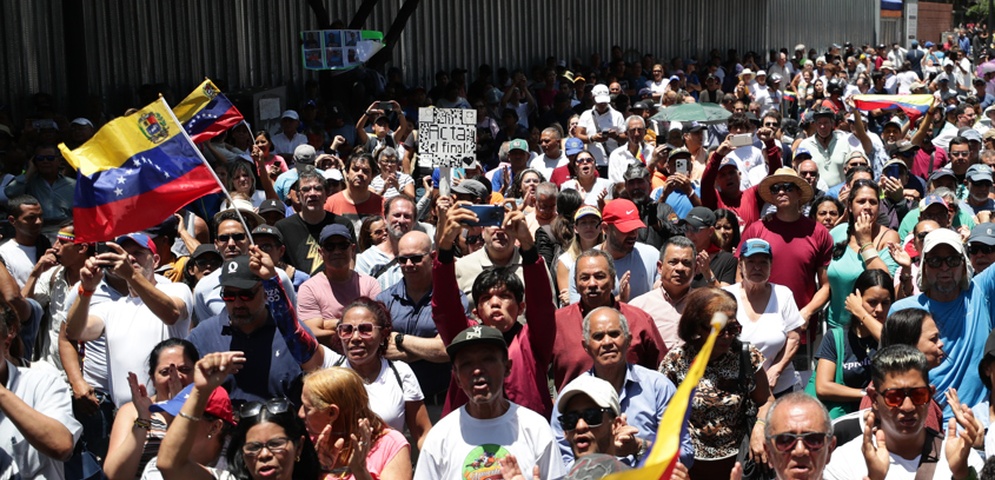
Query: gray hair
point(386, 152)
point(623, 323)
point(554, 131)
point(547, 189)
point(595, 253)
point(679, 241)
point(799, 398)
point(632, 118)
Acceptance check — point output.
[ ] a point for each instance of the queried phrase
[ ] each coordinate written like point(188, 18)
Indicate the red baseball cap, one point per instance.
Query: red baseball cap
point(623, 215)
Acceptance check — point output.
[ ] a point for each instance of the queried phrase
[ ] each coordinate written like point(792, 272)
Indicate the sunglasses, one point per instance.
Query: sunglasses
point(474, 238)
point(982, 184)
point(403, 260)
point(593, 417)
point(211, 263)
point(333, 246)
point(585, 160)
point(785, 442)
point(731, 330)
point(345, 330)
point(274, 445)
point(771, 125)
point(787, 187)
point(230, 294)
point(237, 237)
point(809, 173)
point(274, 406)
point(952, 261)
point(47, 158)
point(894, 397)
point(983, 249)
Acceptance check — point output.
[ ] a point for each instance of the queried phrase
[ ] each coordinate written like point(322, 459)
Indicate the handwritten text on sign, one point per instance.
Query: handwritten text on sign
point(447, 136)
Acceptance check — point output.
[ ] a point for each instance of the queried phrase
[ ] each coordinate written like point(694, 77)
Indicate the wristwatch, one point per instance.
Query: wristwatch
point(399, 342)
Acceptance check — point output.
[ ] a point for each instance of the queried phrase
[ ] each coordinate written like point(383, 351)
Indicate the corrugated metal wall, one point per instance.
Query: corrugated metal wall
point(250, 44)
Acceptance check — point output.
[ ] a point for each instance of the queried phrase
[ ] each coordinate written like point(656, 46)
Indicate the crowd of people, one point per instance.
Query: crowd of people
point(337, 313)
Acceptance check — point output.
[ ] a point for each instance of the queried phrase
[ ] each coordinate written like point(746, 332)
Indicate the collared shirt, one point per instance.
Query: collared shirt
point(414, 317)
point(831, 158)
point(644, 397)
point(50, 396)
point(665, 312)
point(620, 159)
point(56, 198)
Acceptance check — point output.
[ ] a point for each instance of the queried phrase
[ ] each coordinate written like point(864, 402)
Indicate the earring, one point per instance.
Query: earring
point(209, 435)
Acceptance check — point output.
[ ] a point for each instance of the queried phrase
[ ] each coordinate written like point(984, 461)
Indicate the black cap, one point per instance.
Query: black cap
point(204, 249)
point(236, 273)
point(823, 112)
point(166, 228)
point(334, 230)
point(478, 335)
point(268, 230)
point(272, 205)
point(700, 217)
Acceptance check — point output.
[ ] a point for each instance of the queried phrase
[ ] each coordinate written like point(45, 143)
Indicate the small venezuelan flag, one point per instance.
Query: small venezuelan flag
point(135, 172)
point(207, 113)
point(914, 106)
point(665, 455)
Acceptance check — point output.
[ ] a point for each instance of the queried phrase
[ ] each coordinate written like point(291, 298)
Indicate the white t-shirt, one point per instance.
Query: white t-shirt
point(132, 331)
point(847, 463)
point(595, 122)
point(152, 472)
point(769, 332)
point(591, 198)
point(658, 88)
point(752, 167)
point(387, 398)
point(460, 446)
point(546, 165)
point(19, 259)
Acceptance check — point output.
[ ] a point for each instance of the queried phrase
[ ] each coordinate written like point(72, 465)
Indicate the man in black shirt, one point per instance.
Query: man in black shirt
point(301, 231)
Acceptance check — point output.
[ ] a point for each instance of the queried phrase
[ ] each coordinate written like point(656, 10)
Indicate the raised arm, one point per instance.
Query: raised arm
point(167, 308)
point(447, 311)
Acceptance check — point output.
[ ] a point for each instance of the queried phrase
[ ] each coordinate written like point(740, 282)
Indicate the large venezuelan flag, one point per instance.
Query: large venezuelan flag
point(665, 455)
point(914, 106)
point(207, 113)
point(135, 172)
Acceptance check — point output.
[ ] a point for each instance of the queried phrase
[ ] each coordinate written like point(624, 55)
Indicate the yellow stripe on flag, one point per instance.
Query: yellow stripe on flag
point(123, 138)
point(195, 102)
point(666, 451)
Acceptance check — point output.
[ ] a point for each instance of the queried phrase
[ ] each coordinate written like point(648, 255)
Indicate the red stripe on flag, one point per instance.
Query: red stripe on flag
point(229, 119)
point(107, 221)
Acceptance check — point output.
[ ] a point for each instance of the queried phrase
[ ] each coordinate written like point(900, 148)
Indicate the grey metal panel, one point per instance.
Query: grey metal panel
point(32, 52)
point(818, 23)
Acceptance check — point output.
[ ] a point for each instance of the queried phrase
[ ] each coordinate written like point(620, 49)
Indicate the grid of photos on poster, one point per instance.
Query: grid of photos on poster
point(330, 49)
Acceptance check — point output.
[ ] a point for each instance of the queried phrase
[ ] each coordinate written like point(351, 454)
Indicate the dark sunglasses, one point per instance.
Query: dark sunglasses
point(982, 184)
point(238, 237)
point(333, 246)
point(787, 187)
point(952, 261)
point(894, 397)
point(983, 249)
point(345, 330)
point(474, 238)
point(592, 417)
point(274, 406)
point(731, 330)
point(403, 260)
point(771, 125)
point(47, 158)
point(230, 294)
point(211, 263)
point(785, 442)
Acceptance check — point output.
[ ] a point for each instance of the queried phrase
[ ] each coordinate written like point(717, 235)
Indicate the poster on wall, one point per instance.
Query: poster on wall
point(338, 49)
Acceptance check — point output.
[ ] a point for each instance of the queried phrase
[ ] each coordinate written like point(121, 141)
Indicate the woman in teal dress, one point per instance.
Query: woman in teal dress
point(860, 244)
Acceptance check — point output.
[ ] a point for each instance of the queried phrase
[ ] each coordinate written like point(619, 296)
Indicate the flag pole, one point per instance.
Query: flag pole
point(183, 131)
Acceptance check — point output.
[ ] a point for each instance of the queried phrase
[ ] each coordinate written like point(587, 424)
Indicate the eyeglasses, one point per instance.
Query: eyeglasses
point(333, 246)
point(958, 154)
point(593, 417)
point(982, 249)
point(403, 260)
point(230, 294)
point(894, 397)
point(274, 445)
point(365, 329)
point(787, 187)
point(952, 261)
point(584, 160)
point(771, 125)
point(237, 237)
point(636, 130)
point(731, 330)
point(785, 442)
point(388, 160)
point(274, 406)
point(47, 158)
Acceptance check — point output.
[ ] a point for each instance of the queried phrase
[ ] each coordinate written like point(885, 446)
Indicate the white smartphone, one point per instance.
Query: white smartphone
point(682, 166)
point(742, 140)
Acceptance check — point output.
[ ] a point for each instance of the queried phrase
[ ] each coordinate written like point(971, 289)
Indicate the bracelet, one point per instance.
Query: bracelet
point(143, 423)
point(84, 292)
point(868, 255)
point(188, 417)
point(761, 422)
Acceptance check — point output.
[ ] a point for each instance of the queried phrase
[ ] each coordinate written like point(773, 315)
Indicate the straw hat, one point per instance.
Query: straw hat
point(781, 175)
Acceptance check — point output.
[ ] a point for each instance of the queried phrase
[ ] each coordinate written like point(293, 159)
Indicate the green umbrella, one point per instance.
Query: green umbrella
point(693, 112)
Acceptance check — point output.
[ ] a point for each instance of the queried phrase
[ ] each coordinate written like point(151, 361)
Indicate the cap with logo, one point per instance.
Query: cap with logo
point(474, 336)
point(700, 217)
point(585, 211)
point(268, 230)
point(754, 246)
point(971, 135)
point(271, 205)
point(931, 200)
point(573, 146)
point(235, 272)
point(940, 173)
point(623, 215)
point(802, 151)
point(634, 171)
point(983, 233)
point(979, 172)
point(518, 144)
point(141, 239)
point(601, 392)
point(601, 93)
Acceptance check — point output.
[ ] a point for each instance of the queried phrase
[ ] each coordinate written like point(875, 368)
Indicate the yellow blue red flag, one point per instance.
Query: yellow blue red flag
point(660, 463)
point(914, 106)
point(136, 171)
point(206, 112)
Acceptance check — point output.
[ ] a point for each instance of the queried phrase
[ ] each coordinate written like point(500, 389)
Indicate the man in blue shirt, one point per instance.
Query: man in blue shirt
point(415, 339)
point(962, 310)
point(643, 393)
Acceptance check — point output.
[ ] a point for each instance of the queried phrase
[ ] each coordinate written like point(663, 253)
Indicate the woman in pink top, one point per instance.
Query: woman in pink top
point(336, 412)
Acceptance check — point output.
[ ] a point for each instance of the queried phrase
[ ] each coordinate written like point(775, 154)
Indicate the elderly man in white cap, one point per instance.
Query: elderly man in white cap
point(605, 128)
point(961, 307)
point(288, 138)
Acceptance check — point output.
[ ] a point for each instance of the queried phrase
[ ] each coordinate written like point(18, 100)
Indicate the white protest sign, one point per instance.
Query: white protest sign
point(447, 136)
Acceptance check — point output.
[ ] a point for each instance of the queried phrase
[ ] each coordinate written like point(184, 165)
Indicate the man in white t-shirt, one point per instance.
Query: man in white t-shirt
point(28, 245)
point(895, 435)
point(604, 128)
point(635, 150)
point(552, 155)
point(470, 441)
point(153, 310)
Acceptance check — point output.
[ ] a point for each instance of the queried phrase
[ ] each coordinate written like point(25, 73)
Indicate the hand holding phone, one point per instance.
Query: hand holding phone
point(741, 140)
point(487, 215)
